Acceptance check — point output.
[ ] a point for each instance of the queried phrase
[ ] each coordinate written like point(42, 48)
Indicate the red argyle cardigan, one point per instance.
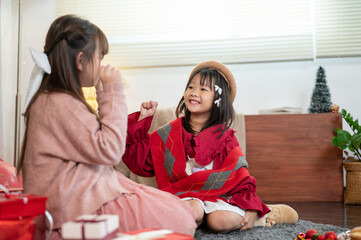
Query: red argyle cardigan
point(169, 161)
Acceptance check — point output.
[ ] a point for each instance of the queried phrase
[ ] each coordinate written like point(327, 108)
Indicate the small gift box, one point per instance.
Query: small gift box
point(15, 206)
point(154, 234)
point(99, 227)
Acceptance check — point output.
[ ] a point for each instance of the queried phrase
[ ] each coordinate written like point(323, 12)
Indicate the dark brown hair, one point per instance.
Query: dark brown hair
point(67, 36)
point(224, 114)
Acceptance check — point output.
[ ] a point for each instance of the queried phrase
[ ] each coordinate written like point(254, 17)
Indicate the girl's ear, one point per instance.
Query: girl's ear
point(79, 61)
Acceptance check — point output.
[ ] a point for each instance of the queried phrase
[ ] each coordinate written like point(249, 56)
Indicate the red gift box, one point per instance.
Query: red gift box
point(15, 206)
point(154, 234)
point(23, 229)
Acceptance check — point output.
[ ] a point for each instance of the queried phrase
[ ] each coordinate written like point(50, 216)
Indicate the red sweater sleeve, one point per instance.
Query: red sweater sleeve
point(137, 152)
point(245, 197)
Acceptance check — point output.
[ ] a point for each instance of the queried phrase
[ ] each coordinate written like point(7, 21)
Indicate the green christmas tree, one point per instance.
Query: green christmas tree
point(321, 97)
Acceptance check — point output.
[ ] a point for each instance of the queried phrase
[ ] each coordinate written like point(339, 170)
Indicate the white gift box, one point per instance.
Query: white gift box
point(99, 227)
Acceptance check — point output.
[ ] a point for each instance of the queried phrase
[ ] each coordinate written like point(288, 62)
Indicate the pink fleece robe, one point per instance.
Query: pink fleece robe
point(69, 155)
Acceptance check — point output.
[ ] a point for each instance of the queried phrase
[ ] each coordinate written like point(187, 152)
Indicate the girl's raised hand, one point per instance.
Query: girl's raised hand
point(109, 74)
point(147, 109)
point(99, 85)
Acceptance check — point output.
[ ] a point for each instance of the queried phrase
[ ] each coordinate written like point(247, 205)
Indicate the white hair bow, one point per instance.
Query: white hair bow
point(41, 67)
point(218, 89)
point(217, 102)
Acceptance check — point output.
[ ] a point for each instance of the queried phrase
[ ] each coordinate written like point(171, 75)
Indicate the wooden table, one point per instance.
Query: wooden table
point(292, 157)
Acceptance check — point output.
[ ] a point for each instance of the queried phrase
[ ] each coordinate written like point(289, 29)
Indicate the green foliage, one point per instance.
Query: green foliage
point(346, 140)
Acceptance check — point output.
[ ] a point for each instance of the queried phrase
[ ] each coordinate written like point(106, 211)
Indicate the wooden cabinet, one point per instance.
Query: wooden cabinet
point(292, 157)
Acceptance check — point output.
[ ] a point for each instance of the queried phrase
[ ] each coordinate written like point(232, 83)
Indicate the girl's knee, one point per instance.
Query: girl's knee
point(186, 225)
point(198, 209)
point(223, 221)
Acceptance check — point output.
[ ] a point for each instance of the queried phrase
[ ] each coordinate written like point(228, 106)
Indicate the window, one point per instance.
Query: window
point(173, 33)
point(338, 28)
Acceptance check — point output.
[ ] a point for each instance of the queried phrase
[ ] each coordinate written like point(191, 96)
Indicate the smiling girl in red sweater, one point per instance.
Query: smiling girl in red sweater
point(198, 158)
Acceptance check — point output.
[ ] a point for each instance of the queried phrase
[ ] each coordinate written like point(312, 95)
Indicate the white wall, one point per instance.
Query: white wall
point(36, 19)
point(259, 86)
point(8, 76)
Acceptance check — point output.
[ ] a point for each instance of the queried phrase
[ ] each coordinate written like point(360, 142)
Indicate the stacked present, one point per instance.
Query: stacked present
point(95, 227)
point(105, 227)
point(22, 216)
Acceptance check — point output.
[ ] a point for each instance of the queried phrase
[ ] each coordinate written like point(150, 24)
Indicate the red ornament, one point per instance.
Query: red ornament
point(331, 235)
point(301, 236)
point(310, 232)
point(321, 237)
point(8, 177)
point(335, 108)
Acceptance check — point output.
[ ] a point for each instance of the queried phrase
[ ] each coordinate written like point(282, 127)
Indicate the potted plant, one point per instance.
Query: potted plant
point(350, 143)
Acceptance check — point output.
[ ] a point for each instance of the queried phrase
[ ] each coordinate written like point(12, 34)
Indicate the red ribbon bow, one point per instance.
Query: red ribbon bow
point(94, 220)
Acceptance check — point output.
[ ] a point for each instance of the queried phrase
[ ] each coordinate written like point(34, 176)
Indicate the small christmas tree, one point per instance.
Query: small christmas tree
point(321, 97)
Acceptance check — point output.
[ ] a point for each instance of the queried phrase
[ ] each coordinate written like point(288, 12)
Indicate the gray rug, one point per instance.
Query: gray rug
point(279, 231)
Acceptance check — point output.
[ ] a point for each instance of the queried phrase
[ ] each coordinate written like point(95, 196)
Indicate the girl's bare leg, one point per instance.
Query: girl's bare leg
point(223, 221)
point(198, 208)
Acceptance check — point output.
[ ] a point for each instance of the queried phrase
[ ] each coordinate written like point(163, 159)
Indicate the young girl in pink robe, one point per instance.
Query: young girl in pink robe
point(69, 150)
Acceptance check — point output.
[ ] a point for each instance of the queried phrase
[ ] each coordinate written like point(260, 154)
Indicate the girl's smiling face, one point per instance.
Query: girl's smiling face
point(197, 98)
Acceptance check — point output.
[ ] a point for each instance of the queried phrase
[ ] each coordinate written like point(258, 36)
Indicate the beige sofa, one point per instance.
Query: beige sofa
point(163, 116)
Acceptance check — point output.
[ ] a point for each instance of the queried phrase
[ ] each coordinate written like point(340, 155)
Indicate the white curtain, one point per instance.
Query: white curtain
point(338, 28)
point(146, 33)
point(165, 33)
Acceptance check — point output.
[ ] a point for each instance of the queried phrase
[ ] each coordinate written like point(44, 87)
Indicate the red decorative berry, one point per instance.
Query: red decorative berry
point(301, 236)
point(321, 237)
point(310, 232)
point(330, 235)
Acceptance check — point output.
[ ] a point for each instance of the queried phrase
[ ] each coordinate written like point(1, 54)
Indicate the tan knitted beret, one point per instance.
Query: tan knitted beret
point(223, 70)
